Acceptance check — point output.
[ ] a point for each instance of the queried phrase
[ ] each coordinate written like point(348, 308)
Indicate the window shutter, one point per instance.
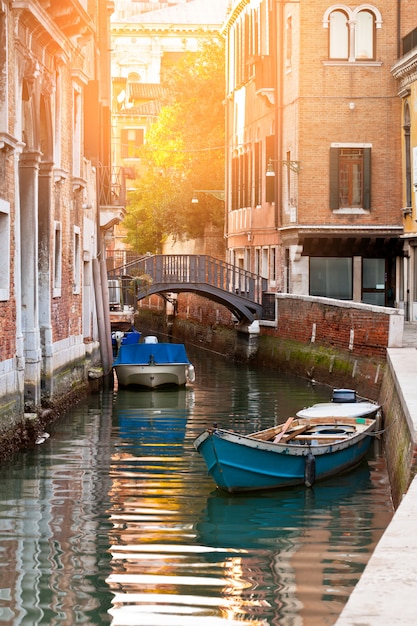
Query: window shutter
point(334, 179)
point(367, 178)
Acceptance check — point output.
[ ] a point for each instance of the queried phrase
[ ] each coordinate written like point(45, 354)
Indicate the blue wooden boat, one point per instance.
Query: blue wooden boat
point(152, 364)
point(321, 441)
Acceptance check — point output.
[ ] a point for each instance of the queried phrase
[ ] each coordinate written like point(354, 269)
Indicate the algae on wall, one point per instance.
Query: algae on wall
point(400, 451)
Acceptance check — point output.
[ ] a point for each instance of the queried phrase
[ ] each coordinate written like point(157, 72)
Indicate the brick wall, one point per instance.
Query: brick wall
point(362, 329)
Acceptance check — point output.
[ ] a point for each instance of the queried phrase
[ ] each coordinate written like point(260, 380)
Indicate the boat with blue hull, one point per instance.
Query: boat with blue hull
point(153, 365)
point(321, 441)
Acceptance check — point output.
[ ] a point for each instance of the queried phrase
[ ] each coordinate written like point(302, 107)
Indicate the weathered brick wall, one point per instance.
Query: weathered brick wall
point(362, 331)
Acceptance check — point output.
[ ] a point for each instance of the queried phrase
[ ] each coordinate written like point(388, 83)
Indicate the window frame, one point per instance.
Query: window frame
point(77, 260)
point(334, 177)
point(57, 275)
point(136, 143)
point(330, 263)
point(5, 259)
point(353, 28)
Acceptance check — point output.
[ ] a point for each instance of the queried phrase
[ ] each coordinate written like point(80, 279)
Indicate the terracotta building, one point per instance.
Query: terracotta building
point(58, 192)
point(404, 70)
point(313, 193)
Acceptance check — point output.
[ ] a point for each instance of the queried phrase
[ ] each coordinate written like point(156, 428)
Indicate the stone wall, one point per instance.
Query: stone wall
point(335, 342)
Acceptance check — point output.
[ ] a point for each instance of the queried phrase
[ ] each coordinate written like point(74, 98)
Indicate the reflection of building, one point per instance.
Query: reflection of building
point(405, 73)
point(145, 45)
point(313, 161)
point(54, 159)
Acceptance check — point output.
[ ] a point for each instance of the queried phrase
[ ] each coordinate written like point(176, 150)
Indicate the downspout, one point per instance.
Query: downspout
point(226, 148)
point(398, 29)
point(278, 37)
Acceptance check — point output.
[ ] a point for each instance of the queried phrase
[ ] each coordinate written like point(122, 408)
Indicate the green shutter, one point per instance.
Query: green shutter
point(334, 179)
point(367, 178)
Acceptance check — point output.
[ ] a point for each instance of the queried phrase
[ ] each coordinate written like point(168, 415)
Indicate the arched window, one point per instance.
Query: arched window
point(133, 77)
point(364, 35)
point(338, 35)
point(352, 32)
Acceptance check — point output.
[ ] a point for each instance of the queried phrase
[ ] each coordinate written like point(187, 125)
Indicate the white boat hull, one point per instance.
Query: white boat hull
point(340, 410)
point(153, 376)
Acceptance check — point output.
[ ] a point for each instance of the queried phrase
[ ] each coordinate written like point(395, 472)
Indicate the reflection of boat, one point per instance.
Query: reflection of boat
point(152, 364)
point(253, 521)
point(156, 419)
point(321, 441)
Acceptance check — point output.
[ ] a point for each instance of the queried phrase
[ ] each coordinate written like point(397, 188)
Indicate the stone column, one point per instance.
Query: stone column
point(44, 251)
point(28, 191)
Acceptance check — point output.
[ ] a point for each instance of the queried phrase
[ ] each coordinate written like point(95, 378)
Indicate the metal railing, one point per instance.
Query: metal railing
point(112, 186)
point(175, 270)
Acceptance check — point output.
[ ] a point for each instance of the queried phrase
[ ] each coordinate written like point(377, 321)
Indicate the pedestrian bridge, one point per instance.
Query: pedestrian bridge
point(242, 292)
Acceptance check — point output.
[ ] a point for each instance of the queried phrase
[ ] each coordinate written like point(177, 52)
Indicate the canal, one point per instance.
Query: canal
point(112, 518)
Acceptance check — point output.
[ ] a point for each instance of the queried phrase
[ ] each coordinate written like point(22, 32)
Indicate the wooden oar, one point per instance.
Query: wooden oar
point(284, 429)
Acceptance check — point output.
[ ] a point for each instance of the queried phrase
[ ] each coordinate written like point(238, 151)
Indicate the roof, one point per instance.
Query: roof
point(146, 91)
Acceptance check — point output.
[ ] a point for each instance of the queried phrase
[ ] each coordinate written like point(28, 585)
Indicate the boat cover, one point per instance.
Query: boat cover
point(157, 353)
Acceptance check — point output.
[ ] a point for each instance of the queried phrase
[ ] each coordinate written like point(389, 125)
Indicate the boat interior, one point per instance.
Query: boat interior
point(321, 429)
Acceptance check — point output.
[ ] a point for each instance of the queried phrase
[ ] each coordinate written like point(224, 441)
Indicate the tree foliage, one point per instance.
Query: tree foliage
point(184, 152)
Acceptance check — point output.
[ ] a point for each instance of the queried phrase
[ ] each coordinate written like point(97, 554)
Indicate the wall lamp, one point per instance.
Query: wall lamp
point(293, 165)
point(216, 193)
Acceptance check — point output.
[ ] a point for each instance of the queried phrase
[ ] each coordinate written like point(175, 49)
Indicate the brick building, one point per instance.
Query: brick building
point(54, 195)
point(404, 70)
point(313, 186)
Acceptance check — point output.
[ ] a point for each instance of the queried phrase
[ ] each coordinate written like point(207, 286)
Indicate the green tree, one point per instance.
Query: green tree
point(184, 151)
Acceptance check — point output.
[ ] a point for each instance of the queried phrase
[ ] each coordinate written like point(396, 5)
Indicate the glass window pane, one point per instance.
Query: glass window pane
point(331, 277)
point(338, 44)
point(364, 36)
point(373, 273)
point(376, 299)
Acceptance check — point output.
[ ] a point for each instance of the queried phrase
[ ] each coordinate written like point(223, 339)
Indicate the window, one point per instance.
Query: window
point(350, 178)
point(5, 250)
point(77, 262)
point(76, 131)
point(257, 173)
point(407, 155)
point(364, 36)
point(288, 47)
point(57, 259)
point(338, 35)
point(373, 281)
point(331, 277)
point(352, 32)
point(132, 140)
point(273, 264)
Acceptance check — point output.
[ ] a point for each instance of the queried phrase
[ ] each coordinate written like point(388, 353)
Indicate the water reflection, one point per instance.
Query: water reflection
point(184, 553)
point(114, 520)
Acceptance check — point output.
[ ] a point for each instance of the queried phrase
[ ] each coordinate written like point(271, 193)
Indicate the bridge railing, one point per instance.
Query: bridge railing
point(172, 269)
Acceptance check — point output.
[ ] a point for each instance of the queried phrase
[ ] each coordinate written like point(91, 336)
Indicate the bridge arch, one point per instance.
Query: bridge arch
point(237, 289)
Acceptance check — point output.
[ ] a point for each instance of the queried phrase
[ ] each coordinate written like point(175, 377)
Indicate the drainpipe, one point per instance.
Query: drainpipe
point(278, 37)
point(398, 29)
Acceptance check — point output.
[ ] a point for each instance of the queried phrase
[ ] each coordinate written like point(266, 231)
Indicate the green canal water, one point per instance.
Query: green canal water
point(114, 520)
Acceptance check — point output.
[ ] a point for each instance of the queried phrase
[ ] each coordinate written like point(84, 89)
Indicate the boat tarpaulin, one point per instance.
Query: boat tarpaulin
point(148, 353)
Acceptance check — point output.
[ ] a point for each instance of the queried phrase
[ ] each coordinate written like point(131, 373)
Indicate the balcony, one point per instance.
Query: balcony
point(111, 194)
